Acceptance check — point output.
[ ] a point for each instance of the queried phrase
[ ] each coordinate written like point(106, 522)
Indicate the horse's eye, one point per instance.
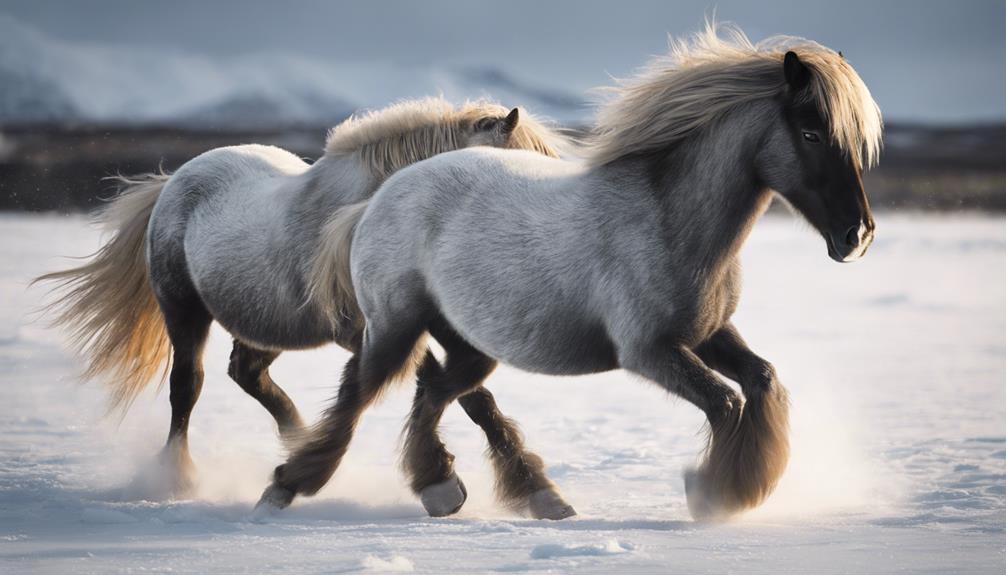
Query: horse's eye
point(485, 124)
point(812, 137)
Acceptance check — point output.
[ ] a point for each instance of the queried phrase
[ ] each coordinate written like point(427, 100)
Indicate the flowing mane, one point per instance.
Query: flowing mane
point(407, 132)
point(705, 75)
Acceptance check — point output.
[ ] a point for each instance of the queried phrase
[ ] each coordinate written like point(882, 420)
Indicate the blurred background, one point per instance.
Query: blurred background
point(90, 89)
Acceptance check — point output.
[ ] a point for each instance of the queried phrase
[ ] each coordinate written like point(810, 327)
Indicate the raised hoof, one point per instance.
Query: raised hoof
point(548, 504)
point(275, 498)
point(701, 503)
point(445, 498)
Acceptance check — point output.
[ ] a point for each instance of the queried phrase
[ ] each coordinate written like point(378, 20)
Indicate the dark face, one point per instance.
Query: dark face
point(818, 178)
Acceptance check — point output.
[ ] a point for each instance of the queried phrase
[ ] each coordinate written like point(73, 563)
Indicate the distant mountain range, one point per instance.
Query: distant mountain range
point(45, 80)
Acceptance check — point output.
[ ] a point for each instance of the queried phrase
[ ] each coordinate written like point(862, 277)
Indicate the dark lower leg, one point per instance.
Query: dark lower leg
point(249, 368)
point(681, 372)
point(746, 459)
point(186, 384)
point(519, 472)
point(748, 446)
point(188, 331)
point(310, 467)
point(426, 460)
point(726, 352)
point(313, 462)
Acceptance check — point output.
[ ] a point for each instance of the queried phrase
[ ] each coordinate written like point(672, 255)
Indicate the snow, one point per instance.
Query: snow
point(899, 438)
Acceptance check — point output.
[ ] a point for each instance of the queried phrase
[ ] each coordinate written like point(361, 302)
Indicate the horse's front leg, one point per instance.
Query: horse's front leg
point(726, 352)
point(678, 370)
point(748, 446)
point(757, 452)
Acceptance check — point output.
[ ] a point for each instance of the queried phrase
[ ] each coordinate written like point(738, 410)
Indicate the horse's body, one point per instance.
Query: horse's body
point(243, 241)
point(544, 264)
point(234, 235)
point(626, 261)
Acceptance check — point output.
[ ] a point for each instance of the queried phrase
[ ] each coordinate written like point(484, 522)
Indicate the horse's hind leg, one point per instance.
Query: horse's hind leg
point(381, 358)
point(188, 324)
point(428, 464)
point(521, 482)
point(520, 475)
point(249, 368)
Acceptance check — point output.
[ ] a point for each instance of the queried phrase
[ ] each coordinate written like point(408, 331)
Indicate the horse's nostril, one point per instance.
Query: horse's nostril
point(852, 236)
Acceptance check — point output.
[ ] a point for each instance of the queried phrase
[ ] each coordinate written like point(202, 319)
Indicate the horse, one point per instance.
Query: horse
point(626, 259)
point(233, 236)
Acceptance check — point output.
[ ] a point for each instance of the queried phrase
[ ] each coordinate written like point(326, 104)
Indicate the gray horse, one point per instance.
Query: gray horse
point(627, 260)
point(234, 236)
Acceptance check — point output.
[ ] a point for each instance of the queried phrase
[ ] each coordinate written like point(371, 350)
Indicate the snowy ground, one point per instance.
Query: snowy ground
point(895, 365)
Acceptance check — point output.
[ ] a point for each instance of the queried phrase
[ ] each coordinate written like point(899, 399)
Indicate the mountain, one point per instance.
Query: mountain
point(25, 97)
point(43, 79)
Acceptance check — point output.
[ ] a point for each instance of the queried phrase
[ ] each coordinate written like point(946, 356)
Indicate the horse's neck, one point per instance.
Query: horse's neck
point(336, 180)
point(709, 196)
point(312, 197)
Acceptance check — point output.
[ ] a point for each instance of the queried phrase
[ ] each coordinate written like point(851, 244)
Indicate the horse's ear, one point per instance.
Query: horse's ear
point(510, 122)
point(797, 73)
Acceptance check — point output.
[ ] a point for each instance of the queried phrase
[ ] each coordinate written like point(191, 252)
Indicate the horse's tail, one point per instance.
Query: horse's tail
point(745, 458)
point(108, 306)
point(330, 284)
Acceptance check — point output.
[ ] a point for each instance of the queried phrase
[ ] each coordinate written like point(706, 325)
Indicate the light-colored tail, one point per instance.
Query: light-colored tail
point(745, 458)
point(331, 284)
point(107, 305)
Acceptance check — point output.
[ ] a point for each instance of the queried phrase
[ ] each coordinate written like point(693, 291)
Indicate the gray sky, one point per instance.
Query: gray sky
point(924, 60)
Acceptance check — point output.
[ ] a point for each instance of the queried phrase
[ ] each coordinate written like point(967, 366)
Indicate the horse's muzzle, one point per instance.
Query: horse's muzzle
point(851, 243)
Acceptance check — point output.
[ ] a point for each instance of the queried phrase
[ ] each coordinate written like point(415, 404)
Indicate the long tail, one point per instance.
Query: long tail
point(745, 458)
point(330, 284)
point(107, 305)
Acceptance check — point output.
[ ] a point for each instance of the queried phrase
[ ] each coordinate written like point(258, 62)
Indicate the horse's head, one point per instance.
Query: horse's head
point(492, 125)
point(494, 130)
point(818, 175)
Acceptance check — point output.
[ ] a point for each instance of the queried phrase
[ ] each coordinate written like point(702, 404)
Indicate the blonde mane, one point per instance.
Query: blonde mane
point(388, 140)
point(391, 138)
point(706, 75)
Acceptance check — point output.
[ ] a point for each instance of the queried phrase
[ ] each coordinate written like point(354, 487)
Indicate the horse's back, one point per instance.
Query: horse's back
point(471, 189)
point(446, 185)
point(217, 173)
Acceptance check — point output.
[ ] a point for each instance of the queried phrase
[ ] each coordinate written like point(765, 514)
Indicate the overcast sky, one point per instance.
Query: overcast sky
point(923, 60)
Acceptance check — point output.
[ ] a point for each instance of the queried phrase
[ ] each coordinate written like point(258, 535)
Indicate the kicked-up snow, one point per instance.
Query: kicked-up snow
point(895, 366)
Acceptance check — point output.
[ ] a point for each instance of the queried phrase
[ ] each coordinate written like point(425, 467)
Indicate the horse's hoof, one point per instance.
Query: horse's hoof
point(701, 503)
point(176, 482)
point(445, 498)
point(274, 498)
point(184, 487)
point(177, 473)
point(548, 504)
